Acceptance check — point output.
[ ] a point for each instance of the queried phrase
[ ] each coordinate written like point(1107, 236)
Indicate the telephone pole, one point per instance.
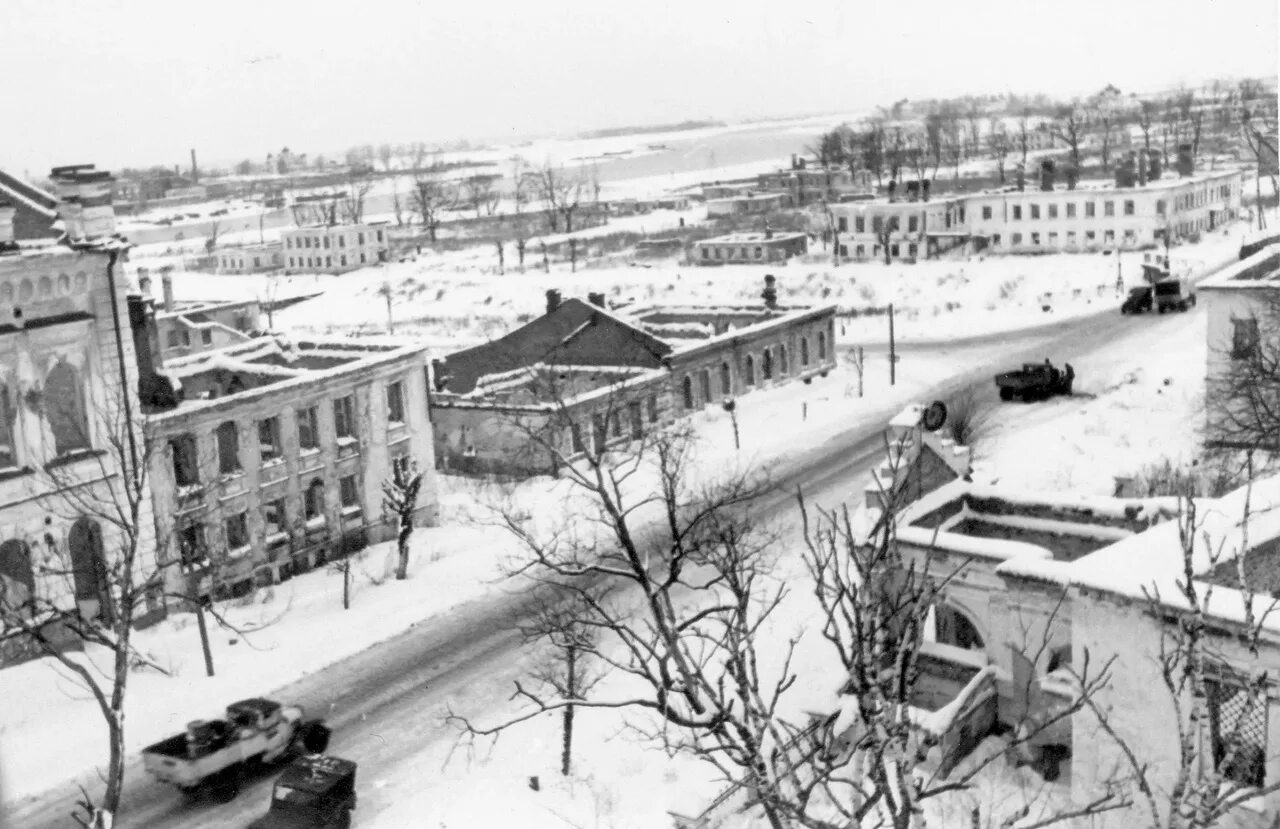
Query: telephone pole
point(893, 352)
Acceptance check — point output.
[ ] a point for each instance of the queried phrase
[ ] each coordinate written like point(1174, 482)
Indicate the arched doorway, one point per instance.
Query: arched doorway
point(17, 579)
point(89, 570)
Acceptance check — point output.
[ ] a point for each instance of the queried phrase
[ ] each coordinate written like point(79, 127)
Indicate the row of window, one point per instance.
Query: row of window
point(310, 262)
point(323, 241)
point(766, 368)
point(186, 461)
point(606, 426)
point(194, 545)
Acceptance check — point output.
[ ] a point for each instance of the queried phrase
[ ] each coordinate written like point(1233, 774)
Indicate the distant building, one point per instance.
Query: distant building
point(334, 248)
point(749, 203)
point(1090, 217)
point(251, 258)
point(769, 247)
point(584, 378)
point(805, 185)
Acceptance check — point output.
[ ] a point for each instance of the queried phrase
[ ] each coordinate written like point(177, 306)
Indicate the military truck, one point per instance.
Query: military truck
point(315, 792)
point(1170, 295)
point(211, 753)
point(1035, 381)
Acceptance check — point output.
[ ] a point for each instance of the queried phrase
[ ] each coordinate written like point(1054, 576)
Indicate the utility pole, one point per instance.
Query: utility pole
point(731, 407)
point(893, 353)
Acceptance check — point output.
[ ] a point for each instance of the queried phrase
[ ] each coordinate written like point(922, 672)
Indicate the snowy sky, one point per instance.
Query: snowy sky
point(134, 81)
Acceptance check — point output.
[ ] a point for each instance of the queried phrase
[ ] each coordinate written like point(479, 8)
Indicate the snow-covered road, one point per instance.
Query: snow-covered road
point(385, 703)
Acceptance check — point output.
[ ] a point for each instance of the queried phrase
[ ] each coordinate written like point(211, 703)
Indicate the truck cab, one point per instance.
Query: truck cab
point(315, 792)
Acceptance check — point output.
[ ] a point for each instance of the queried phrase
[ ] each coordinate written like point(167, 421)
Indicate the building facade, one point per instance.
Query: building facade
point(334, 248)
point(1088, 218)
point(769, 247)
point(585, 378)
point(68, 404)
point(252, 258)
point(274, 460)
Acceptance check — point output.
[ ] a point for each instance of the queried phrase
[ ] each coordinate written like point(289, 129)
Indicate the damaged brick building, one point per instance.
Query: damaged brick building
point(583, 377)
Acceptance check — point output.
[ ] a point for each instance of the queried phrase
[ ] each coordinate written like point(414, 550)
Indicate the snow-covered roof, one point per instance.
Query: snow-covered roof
point(1259, 271)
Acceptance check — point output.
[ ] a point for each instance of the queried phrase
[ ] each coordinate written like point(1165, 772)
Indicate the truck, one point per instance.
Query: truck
point(212, 753)
point(315, 792)
point(1035, 381)
point(1170, 295)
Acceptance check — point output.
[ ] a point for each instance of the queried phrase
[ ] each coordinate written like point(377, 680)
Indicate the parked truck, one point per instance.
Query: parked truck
point(1170, 295)
point(1035, 381)
point(315, 792)
point(212, 753)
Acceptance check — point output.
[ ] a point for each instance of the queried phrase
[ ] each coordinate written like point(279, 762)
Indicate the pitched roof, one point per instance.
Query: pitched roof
point(31, 197)
point(547, 339)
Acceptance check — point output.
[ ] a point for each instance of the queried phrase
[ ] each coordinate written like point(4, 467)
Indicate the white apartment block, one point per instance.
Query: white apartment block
point(1091, 217)
point(334, 248)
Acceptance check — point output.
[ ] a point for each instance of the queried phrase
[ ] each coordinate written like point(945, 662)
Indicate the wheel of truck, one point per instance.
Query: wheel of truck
point(227, 785)
point(1006, 394)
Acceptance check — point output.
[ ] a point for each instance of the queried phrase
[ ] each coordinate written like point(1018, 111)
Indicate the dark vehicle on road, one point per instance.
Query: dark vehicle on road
point(1035, 381)
point(316, 792)
point(1170, 295)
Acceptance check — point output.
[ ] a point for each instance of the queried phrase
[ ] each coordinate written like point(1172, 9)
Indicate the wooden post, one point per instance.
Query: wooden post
point(893, 353)
point(204, 638)
point(861, 358)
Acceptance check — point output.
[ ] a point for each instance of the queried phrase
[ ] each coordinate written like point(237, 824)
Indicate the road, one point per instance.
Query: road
point(369, 698)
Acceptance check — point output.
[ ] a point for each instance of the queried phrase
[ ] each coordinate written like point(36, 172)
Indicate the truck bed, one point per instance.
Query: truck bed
point(175, 746)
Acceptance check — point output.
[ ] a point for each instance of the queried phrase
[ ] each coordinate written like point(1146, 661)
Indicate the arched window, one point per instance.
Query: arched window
point(65, 410)
point(751, 370)
point(783, 368)
point(313, 501)
point(951, 627)
point(804, 351)
point(726, 380)
point(17, 579)
point(822, 345)
point(89, 569)
point(688, 391)
point(704, 381)
point(766, 365)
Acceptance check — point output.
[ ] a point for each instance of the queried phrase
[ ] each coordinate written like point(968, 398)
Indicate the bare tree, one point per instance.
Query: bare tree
point(1024, 137)
point(1259, 138)
point(400, 502)
point(561, 192)
point(1147, 111)
point(431, 197)
point(1105, 110)
point(211, 243)
point(113, 585)
point(359, 183)
point(482, 195)
point(999, 145)
point(1068, 127)
point(567, 668)
point(385, 155)
point(1245, 408)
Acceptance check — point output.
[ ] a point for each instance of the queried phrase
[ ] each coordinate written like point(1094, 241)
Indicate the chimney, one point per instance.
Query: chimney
point(1046, 175)
point(144, 282)
point(596, 300)
point(893, 190)
point(1186, 162)
point(84, 201)
point(1157, 167)
point(1072, 175)
point(7, 212)
point(795, 161)
point(195, 171)
point(166, 285)
point(553, 300)
point(770, 292)
point(913, 190)
point(1020, 176)
point(924, 190)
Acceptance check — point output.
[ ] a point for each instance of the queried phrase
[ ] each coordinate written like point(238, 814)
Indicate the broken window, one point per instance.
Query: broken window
point(65, 409)
point(237, 529)
point(228, 438)
point(1244, 338)
point(951, 627)
point(687, 388)
point(344, 416)
point(269, 438)
point(395, 402)
point(348, 493)
point(751, 370)
point(191, 545)
point(308, 428)
point(313, 500)
point(273, 516)
point(186, 466)
point(1238, 729)
point(653, 408)
point(8, 453)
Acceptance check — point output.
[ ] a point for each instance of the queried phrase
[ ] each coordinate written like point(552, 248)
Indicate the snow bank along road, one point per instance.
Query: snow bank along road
point(383, 703)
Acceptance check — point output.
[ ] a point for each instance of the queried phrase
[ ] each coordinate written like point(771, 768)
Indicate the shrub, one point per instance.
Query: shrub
point(968, 417)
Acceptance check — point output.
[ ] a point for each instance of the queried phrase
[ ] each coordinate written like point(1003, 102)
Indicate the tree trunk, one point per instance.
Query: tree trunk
point(346, 582)
point(566, 737)
point(402, 545)
point(204, 639)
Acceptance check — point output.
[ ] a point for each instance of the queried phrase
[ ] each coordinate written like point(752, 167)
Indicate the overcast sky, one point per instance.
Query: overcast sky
point(136, 81)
